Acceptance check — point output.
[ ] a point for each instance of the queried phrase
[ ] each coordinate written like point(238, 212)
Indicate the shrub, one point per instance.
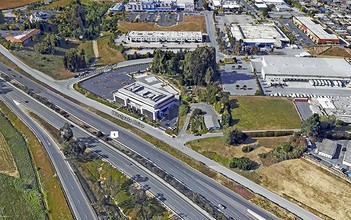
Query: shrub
point(242, 163)
point(247, 149)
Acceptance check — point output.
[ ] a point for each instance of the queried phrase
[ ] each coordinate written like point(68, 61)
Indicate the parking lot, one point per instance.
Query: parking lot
point(165, 19)
point(304, 89)
point(301, 38)
point(238, 80)
point(105, 84)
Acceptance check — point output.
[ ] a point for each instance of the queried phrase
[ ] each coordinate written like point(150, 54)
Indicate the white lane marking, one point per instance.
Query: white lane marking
point(254, 214)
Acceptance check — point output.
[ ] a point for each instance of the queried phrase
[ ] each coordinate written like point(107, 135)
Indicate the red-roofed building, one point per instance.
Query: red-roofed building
point(23, 38)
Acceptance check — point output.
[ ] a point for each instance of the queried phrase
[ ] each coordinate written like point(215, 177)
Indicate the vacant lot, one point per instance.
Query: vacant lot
point(107, 54)
point(298, 180)
point(50, 64)
point(190, 23)
point(7, 163)
point(264, 113)
point(5, 4)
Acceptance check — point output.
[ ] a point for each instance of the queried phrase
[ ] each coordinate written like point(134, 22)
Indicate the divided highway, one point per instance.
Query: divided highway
point(182, 206)
point(78, 201)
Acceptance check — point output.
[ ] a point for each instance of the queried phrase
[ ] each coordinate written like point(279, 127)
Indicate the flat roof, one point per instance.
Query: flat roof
point(347, 155)
point(306, 66)
point(258, 33)
point(145, 93)
point(165, 34)
point(327, 146)
point(211, 122)
point(316, 28)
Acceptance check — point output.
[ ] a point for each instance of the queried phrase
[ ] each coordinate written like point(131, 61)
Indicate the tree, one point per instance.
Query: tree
point(312, 126)
point(77, 148)
point(235, 137)
point(2, 18)
point(66, 132)
point(243, 163)
point(258, 92)
point(74, 60)
point(183, 109)
point(226, 118)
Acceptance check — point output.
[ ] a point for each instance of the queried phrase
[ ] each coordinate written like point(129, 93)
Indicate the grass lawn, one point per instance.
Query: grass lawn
point(6, 4)
point(107, 54)
point(299, 180)
point(50, 64)
point(7, 163)
point(89, 51)
point(265, 113)
point(53, 194)
point(190, 23)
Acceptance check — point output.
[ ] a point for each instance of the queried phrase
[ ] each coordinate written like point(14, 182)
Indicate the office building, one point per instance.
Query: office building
point(164, 36)
point(145, 99)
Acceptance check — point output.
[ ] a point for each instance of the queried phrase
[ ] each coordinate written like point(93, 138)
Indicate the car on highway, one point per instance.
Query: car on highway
point(221, 206)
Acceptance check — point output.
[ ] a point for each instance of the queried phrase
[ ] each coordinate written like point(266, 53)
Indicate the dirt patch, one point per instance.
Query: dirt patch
point(330, 51)
point(7, 163)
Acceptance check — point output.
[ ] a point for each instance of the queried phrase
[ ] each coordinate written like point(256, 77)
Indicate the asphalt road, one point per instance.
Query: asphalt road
point(171, 198)
point(236, 206)
point(78, 201)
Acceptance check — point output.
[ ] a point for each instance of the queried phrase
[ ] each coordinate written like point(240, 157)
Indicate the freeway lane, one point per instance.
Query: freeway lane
point(174, 200)
point(76, 196)
point(216, 193)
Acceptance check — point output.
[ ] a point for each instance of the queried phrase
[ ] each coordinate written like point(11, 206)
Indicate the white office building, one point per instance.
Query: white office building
point(145, 99)
point(164, 36)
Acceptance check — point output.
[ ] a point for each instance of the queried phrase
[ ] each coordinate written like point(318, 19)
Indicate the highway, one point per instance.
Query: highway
point(215, 192)
point(194, 179)
point(171, 198)
point(78, 201)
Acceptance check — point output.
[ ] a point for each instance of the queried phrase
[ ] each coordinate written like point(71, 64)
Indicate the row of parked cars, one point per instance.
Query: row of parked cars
point(321, 82)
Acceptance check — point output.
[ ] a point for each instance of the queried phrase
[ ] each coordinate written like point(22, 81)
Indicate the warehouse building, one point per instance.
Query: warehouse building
point(282, 69)
point(145, 99)
point(164, 36)
point(315, 30)
point(264, 35)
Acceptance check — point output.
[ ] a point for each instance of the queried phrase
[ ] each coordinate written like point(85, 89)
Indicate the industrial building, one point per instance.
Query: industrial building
point(164, 36)
point(347, 156)
point(327, 148)
point(315, 30)
point(280, 69)
point(145, 99)
point(159, 5)
point(264, 35)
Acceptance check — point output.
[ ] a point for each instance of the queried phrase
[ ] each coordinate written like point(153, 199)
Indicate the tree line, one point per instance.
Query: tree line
point(196, 67)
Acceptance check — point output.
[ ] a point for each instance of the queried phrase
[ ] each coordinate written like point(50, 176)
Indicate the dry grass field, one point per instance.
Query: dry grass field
point(299, 180)
point(330, 51)
point(6, 4)
point(309, 185)
point(190, 23)
point(7, 163)
point(107, 54)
